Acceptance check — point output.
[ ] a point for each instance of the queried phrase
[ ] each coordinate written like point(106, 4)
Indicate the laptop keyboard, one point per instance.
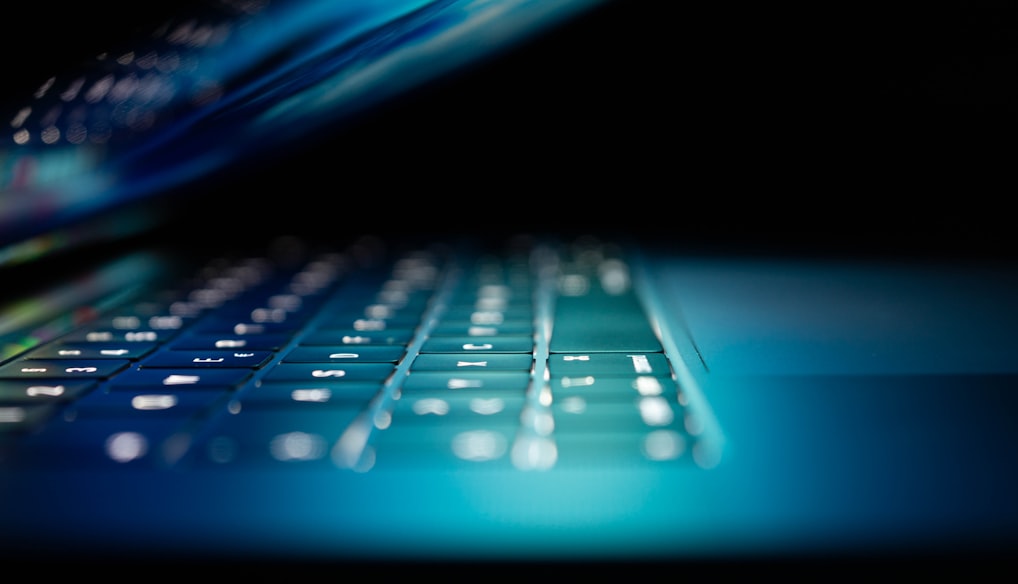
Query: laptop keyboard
point(528, 355)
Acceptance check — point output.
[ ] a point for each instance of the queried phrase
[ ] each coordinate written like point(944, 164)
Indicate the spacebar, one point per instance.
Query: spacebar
point(597, 322)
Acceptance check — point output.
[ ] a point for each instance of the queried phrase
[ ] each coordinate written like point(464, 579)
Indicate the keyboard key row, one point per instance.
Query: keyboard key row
point(435, 365)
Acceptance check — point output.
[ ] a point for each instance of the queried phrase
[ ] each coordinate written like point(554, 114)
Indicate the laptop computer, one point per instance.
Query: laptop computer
point(527, 282)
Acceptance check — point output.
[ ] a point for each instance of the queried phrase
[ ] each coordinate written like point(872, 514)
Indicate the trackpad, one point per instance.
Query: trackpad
point(807, 317)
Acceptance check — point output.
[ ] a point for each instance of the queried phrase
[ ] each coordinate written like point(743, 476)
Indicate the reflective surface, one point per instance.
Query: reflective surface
point(712, 461)
point(227, 82)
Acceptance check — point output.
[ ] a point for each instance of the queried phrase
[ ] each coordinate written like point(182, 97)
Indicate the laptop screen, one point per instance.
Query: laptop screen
point(195, 92)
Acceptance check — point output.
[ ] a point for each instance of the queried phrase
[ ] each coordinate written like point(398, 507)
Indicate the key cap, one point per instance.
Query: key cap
point(196, 342)
point(351, 337)
point(207, 359)
point(466, 381)
point(119, 336)
point(62, 369)
point(302, 437)
point(24, 417)
point(363, 323)
point(579, 450)
point(93, 351)
point(478, 345)
point(445, 446)
point(227, 326)
point(461, 362)
point(461, 328)
point(330, 371)
point(459, 409)
point(97, 442)
point(613, 388)
point(599, 322)
point(603, 364)
point(345, 354)
point(180, 379)
point(641, 414)
point(41, 391)
point(488, 317)
point(126, 403)
point(278, 394)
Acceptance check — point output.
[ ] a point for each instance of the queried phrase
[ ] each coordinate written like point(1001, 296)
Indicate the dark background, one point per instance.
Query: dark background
point(837, 128)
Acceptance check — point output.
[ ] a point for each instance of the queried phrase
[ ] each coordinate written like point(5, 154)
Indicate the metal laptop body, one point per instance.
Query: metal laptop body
point(847, 380)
